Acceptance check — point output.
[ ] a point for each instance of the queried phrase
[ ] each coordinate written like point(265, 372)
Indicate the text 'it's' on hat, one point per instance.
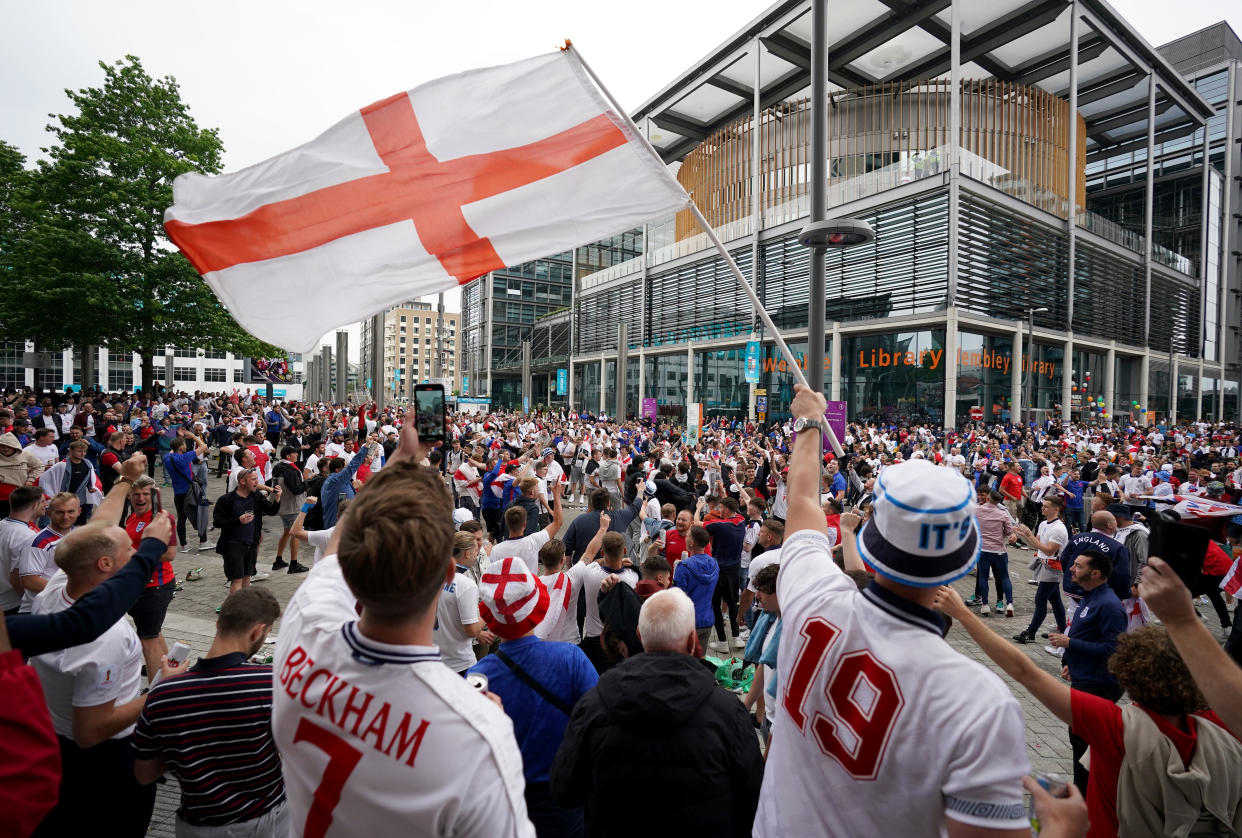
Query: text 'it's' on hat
point(922, 530)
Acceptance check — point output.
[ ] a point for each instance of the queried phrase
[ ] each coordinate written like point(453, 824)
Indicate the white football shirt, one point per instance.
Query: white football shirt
point(526, 549)
point(109, 668)
point(879, 722)
point(457, 606)
point(561, 621)
point(376, 727)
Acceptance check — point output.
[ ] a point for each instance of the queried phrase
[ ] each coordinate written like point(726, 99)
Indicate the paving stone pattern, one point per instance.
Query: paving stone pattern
point(191, 619)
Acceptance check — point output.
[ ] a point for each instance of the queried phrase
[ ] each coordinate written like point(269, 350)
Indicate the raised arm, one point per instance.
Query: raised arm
point(850, 556)
point(1047, 689)
point(805, 466)
point(558, 516)
point(597, 541)
point(113, 504)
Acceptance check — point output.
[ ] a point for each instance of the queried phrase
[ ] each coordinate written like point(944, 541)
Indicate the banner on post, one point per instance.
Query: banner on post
point(835, 416)
point(562, 382)
point(752, 362)
point(651, 409)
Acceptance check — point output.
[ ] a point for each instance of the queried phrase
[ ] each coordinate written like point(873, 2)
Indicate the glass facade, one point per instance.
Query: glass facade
point(1128, 381)
point(985, 375)
point(632, 402)
point(586, 387)
point(610, 386)
point(1087, 384)
point(1159, 387)
point(1209, 387)
point(894, 377)
point(664, 380)
point(1186, 395)
point(720, 383)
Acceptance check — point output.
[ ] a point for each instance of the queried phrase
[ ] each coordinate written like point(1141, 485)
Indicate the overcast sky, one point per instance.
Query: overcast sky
point(272, 75)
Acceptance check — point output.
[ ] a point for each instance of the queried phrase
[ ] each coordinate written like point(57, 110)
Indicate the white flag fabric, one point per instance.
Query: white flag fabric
point(417, 193)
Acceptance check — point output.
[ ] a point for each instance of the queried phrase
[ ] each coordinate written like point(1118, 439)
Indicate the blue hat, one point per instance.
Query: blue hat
point(922, 530)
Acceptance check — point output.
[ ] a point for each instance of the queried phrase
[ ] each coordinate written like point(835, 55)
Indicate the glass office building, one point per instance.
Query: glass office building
point(1062, 171)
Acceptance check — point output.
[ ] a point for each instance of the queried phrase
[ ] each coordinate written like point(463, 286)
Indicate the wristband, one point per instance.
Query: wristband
point(306, 507)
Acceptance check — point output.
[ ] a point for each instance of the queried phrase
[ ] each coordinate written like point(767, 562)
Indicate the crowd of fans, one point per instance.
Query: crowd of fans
point(457, 660)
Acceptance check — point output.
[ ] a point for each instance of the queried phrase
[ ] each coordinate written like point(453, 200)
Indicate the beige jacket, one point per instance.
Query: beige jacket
point(20, 468)
point(1157, 795)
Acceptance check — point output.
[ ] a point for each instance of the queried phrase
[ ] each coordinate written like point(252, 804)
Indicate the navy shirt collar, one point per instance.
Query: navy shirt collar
point(904, 610)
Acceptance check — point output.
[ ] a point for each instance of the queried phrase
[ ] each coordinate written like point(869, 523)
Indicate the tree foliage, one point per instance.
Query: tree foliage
point(90, 260)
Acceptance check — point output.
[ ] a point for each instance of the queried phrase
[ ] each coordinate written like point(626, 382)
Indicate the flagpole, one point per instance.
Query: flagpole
point(790, 359)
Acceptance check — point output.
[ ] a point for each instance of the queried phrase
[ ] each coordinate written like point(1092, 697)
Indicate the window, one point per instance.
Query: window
point(184, 374)
point(213, 374)
point(215, 354)
point(185, 352)
point(120, 379)
point(237, 376)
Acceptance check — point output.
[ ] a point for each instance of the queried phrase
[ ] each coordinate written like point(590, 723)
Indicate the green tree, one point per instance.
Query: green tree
point(94, 264)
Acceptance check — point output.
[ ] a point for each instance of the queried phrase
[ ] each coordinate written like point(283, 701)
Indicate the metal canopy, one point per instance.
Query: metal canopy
point(874, 41)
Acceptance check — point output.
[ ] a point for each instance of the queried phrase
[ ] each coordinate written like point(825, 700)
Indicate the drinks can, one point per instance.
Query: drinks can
point(1056, 785)
point(478, 681)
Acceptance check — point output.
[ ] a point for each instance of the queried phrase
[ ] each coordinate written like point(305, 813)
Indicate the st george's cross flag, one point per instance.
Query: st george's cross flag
point(417, 193)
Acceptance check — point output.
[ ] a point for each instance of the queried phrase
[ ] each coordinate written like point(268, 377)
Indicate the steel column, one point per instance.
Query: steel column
point(819, 174)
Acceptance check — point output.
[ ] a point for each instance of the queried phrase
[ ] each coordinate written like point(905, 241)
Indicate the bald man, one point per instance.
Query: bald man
point(661, 700)
point(1101, 538)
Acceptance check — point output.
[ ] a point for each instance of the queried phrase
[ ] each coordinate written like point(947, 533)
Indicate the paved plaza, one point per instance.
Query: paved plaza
point(191, 619)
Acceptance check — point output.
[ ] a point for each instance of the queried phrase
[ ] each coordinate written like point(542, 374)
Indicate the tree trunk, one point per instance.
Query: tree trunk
point(90, 357)
point(148, 371)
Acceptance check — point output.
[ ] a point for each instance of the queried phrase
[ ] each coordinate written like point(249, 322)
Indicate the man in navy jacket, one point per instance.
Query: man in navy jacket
point(1091, 640)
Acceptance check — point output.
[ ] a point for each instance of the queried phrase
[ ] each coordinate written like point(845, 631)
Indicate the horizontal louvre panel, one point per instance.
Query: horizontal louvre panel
point(1008, 263)
point(702, 301)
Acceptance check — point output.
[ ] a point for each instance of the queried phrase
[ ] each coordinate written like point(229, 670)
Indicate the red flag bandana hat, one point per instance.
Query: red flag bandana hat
point(513, 600)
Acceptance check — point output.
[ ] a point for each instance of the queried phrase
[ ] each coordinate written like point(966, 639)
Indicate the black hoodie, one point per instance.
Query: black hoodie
point(660, 716)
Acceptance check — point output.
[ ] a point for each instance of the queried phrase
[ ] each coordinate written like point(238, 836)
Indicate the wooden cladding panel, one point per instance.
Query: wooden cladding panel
point(1015, 137)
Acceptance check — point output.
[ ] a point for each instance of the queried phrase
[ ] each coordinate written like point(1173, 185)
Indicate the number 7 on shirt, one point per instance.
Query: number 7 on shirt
point(870, 725)
point(342, 760)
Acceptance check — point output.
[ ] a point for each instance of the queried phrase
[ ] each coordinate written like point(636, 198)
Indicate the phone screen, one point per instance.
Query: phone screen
point(1183, 547)
point(429, 412)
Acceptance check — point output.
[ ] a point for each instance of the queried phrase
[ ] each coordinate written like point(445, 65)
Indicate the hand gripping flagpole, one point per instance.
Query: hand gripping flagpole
point(791, 360)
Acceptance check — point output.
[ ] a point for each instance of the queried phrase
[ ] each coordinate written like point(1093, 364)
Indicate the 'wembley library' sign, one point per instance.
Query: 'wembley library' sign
point(928, 359)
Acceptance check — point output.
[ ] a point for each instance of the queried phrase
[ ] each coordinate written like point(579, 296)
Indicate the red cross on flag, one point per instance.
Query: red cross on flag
point(417, 193)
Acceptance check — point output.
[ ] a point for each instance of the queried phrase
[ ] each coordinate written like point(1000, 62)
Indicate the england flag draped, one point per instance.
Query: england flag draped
point(417, 193)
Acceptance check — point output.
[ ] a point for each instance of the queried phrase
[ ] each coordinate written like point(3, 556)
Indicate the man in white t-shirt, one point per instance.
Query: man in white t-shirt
point(613, 547)
point(880, 726)
point(458, 624)
point(527, 547)
point(37, 565)
point(92, 690)
point(364, 707)
point(563, 586)
point(43, 448)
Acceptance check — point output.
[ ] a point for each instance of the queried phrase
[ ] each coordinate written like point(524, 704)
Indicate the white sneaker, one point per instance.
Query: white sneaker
point(1009, 609)
point(259, 576)
point(717, 646)
point(206, 545)
point(744, 633)
point(184, 549)
point(1055, 651)
point(983, 610)
point(739, 643)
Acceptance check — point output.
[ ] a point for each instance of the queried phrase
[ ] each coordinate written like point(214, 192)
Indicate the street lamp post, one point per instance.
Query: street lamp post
point(1030, 358)
point(820, 236)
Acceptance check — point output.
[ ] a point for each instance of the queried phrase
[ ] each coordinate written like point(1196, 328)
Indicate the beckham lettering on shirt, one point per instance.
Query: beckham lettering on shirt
point(298, 676)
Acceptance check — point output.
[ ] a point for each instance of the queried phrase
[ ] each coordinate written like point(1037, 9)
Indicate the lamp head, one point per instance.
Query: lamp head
point(837, 232)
